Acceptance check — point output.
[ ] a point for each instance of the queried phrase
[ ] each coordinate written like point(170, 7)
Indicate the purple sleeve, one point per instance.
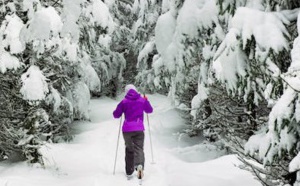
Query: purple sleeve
point(147, 107)
point(119, 110)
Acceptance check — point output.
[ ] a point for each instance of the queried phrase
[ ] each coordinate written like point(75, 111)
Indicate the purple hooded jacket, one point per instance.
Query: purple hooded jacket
point(133, 106)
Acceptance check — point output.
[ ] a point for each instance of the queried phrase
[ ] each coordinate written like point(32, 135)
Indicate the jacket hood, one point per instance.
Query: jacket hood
point(132, 95)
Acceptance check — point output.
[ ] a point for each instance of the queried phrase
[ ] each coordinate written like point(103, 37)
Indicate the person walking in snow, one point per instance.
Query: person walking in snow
point(133, 106)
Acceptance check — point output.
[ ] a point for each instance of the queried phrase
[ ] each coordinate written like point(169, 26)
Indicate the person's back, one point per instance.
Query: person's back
point(133, 106)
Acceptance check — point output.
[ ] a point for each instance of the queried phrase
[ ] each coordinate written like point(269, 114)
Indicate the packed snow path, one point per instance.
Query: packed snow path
point(88, 160)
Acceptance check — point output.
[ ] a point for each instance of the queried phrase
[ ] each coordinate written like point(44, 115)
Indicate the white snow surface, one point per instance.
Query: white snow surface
point(8, 61)
point(43, 29)
point(267, 28)
point(165, 5)
point(79, 96)
point(91, 77)
point(294, 165)
point(101, 16)
point(200, 13)
point(34, 85)
point(89, 159)
point(45, 23)
point(54, 97)
point(71, 13)
point(12, 32)
point(164, 30)
point(144, 53)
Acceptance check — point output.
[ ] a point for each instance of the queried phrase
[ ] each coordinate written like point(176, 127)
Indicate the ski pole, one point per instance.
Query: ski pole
point(117, 146)
point(150, 140)
point(150, 136)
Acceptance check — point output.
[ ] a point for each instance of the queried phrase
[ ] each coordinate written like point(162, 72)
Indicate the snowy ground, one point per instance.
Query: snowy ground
point(88, 160)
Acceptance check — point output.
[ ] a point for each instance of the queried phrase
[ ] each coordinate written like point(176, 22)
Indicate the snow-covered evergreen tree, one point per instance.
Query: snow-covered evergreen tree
point(232, 66)
point(53, 55)
point(226, 62)
point(143, 30)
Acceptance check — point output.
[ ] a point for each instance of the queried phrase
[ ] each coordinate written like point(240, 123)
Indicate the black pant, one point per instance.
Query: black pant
point(134, 152)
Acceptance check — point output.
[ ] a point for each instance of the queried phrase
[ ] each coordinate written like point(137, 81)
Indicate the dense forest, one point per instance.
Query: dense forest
point(230, 66)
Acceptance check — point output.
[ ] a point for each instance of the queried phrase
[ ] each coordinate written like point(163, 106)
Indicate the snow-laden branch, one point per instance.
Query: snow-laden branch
point(290, 15)
point(129, 2)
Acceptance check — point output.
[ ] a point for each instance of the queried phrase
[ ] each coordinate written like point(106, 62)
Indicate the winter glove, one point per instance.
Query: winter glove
point(145, 97)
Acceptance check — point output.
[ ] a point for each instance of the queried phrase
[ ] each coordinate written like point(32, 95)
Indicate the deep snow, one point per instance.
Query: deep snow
point(88, 160)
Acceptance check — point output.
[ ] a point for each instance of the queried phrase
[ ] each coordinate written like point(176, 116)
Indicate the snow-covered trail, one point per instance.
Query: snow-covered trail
point(88, 160)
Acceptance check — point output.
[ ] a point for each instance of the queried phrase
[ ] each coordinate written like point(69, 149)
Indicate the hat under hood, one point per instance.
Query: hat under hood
point(128, 87)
